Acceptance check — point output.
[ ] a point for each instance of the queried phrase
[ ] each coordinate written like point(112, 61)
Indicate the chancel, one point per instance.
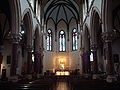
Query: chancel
point(62, 66)
point(46, 44)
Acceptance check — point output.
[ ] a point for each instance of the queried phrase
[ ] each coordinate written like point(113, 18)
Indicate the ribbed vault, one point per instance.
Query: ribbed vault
point(61, 10)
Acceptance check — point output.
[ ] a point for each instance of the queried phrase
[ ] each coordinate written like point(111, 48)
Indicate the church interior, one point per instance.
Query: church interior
point(60, 44)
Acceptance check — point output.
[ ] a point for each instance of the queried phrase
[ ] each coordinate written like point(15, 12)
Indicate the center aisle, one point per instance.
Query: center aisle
point(62, 86)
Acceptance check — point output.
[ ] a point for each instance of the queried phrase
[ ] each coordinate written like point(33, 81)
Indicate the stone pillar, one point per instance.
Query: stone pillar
point(37, 64)
point(95, 63)
point(1, 56)
point(41, 63)
point(15, 42)
point(41, 60)
point(86, 62)
point(29, 59)
point(107, 37)
point(83, 64)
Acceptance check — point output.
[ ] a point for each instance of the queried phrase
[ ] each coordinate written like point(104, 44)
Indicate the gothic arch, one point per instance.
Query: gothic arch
point(36, 39)
point(95, 23)
point(52, 24)
point(96, 38)
point(86, 38)
point(60, 27)
point(27, 40)
point(73, 24)
point(51, 20)
point(76, 21)
point(28, 24)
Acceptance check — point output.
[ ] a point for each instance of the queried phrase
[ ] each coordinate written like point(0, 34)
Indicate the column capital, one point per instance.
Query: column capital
point(108, 36)
point(81, 27)
point(15, 38)
point(22, 23)
point(94, 47)
point(41, 48)
point(36, 52)
point(29, 48)
point(82, 49)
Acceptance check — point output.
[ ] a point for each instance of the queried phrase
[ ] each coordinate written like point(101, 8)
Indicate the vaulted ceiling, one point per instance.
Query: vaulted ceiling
point(61, 10)
point(4, 20)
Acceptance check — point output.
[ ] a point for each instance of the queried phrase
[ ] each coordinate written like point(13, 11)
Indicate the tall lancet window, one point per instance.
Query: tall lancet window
point(49, 40)
point(62, 46)
point(74, 40)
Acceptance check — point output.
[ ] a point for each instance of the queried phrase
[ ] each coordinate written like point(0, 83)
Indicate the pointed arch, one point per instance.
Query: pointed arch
point(86, 35)
point(28, 25)
point(36, 39)
point(50, 20)
point(73, 24)
point(95, 21)
point(50, 24)
point(76, 21)
point(61, 21)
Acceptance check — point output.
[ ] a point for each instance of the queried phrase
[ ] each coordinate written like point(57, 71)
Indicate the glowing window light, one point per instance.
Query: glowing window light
point(22, 32)
point(33, 58)
point(91, 57)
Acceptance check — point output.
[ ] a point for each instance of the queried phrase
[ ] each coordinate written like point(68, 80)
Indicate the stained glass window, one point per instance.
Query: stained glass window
point(74, 40)
point(49, 40)
point(62, 42)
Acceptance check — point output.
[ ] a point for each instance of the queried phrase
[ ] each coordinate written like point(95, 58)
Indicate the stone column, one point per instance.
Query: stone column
point(41, 63)
point(95, 63)
point(29, 59)
point(1, 58)
point(86, 62)
point(15, 41)
point(83, 61)
point(41, 60)
point(107, 37)
point(37, 64)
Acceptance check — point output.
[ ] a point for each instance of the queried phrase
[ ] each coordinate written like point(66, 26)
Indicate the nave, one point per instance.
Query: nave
point(61, 83)
point(40, 39)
